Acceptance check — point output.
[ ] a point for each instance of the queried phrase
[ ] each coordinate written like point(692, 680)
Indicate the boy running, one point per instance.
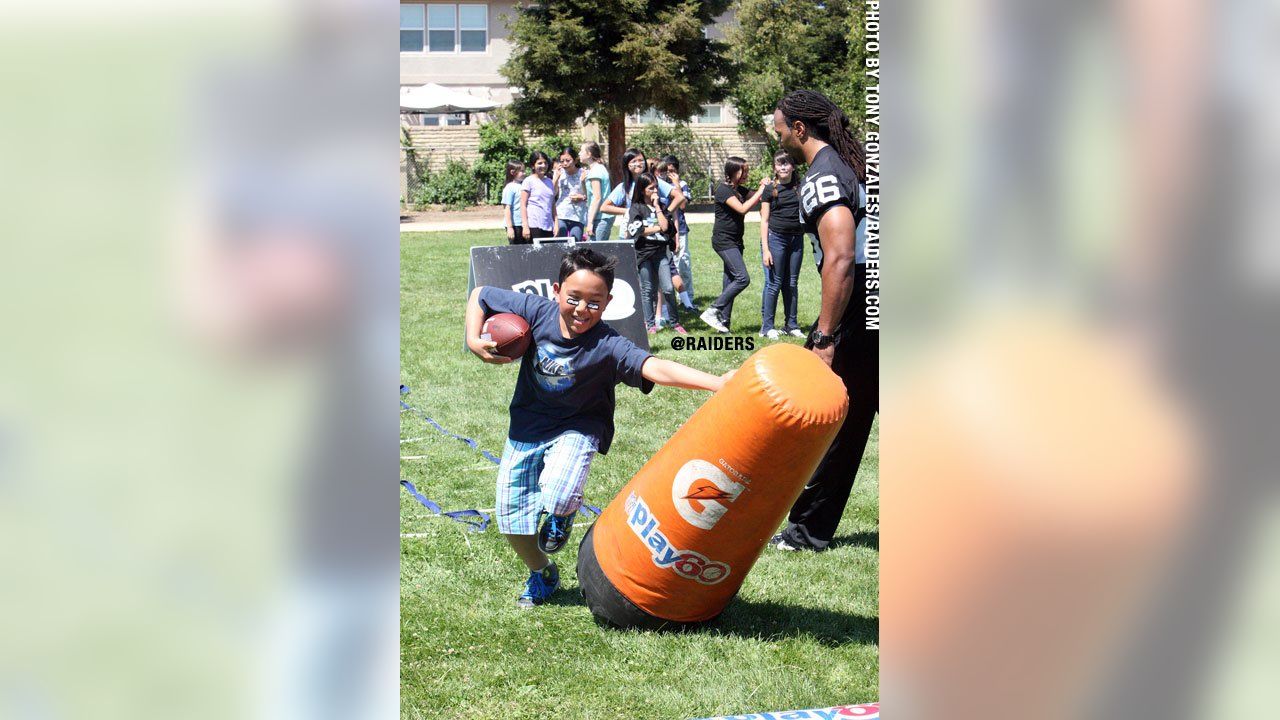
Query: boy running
point(562, 409)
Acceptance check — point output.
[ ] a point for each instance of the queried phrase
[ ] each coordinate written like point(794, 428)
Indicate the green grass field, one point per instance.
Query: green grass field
point(803, 631)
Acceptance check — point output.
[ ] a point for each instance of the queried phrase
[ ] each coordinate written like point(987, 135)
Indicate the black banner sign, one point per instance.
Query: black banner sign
point(533, 269)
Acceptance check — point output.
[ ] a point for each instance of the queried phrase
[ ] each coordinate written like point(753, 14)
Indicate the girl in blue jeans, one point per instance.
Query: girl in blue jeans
point(781, 248)
point(650, 229)
point(732, 206)
point(670, 168)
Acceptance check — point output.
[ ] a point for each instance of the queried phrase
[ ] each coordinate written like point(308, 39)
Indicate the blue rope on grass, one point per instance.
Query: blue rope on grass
point(404, 390)
point(474, 526)
point(458, 515)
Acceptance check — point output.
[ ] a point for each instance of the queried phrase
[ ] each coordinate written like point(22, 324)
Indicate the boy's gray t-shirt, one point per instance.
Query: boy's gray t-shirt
point(566, 384)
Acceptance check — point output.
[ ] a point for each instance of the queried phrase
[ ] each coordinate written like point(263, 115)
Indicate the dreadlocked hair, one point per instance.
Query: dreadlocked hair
point(827, 122)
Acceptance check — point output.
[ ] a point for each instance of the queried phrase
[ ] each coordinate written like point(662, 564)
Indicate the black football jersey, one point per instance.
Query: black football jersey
point(828, 183)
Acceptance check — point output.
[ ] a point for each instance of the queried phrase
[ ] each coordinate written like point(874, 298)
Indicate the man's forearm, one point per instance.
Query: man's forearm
point(837, 290)
point(836, 234)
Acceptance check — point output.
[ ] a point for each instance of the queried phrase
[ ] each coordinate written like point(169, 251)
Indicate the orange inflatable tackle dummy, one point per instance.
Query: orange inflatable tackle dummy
point(675, 544)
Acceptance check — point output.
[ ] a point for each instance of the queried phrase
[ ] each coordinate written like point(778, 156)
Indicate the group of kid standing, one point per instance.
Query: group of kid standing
point(578, 200)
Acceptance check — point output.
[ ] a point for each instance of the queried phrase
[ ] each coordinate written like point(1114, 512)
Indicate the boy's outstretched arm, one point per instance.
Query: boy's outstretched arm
point(483, 349)
point(673, 374)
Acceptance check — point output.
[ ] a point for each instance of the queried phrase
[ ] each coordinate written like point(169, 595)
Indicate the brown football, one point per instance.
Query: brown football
point(510, 332)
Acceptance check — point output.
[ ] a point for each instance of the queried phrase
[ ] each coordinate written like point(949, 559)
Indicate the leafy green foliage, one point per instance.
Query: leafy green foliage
point(601, 61)
point(794, 45)
point(455, 186)
point(500, 142)
point(553, 144)
point(761, 168)
point(698, 155)
point(659, 140)
point(415, 165)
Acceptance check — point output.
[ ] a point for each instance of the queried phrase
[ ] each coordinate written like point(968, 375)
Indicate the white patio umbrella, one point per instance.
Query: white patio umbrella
point(433, 98)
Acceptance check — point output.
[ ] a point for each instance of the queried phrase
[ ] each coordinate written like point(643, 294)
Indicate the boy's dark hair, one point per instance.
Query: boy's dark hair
point(513, 167)
point(669, 162)
point(643, 181)
point(584, 258)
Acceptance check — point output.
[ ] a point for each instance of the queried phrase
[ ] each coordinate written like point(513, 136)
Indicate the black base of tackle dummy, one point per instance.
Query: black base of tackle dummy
point(612, 607)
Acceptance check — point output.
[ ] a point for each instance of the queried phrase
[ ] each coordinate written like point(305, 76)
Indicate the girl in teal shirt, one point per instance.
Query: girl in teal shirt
point(599, 224)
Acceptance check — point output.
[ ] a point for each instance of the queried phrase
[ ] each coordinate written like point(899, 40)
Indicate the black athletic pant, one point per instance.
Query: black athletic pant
point(534, 234)
point(736, 279)
point(817, 511)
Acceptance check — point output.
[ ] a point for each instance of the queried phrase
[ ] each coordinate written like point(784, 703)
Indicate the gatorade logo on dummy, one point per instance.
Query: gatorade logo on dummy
point(700, 491)
point(685, 563)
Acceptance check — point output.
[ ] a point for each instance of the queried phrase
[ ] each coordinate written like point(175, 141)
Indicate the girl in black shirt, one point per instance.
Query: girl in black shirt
point(732, 205)
point(781, 247)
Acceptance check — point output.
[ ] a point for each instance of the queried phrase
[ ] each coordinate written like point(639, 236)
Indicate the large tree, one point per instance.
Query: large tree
point(793, 45)
point(601, 61)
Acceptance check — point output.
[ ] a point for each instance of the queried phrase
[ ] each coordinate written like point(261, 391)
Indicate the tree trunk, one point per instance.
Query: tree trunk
point(617, 145)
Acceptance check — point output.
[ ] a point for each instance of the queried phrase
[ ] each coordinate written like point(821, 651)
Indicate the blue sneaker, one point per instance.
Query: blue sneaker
point(539, 586)
point(555, 533)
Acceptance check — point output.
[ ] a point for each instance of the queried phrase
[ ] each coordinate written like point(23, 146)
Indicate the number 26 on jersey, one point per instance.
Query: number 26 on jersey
point(819, 191)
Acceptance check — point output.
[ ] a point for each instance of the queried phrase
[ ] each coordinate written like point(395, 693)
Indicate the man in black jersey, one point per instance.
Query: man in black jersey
point(814, 130)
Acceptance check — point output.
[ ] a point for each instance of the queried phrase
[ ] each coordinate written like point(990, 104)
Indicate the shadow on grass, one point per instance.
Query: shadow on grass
point(567, 596)
point(870, 540)
point(775, 621)
point(765, 621)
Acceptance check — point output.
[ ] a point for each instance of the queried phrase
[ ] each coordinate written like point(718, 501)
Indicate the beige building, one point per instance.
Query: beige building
point(459, 45)
point(463, 45)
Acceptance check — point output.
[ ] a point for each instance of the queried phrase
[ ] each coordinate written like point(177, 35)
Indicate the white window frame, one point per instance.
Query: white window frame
point(658, 119)
point(457, 29)
point(444, 119)
point(697, 119)
point(426, 48)
point(661, 119)
point(485, 30)
point(423, 29)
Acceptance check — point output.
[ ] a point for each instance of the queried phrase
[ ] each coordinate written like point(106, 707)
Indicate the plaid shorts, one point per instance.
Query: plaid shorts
point(534, 477)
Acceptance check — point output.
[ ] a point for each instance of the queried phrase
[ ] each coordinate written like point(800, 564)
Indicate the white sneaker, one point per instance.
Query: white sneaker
point(773, 335)
point(778, 543)
point(796, 332)
point(712, 318)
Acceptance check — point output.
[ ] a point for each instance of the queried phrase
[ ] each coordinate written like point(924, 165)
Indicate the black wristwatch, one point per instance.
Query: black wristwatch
point(821, 340)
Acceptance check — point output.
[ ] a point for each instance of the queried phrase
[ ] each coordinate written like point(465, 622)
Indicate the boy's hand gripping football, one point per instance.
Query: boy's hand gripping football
point(483, 349)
